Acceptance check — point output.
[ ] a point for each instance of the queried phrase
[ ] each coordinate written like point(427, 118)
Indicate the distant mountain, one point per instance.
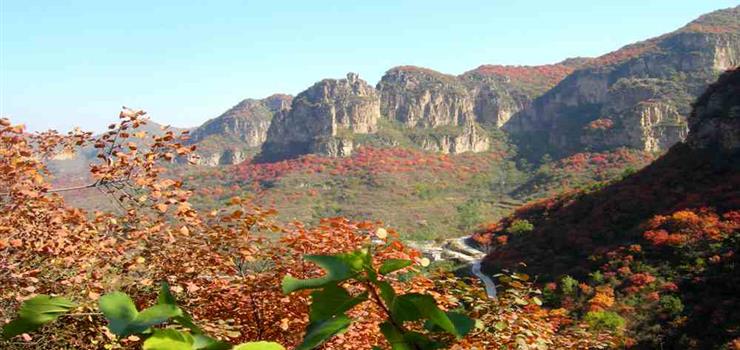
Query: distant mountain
point(239, 132)
point(638, 96)
point(674, 223)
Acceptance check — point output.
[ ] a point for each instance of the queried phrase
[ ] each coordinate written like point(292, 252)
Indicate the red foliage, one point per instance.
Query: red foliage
point(550, 74)
point(641, 279)
point(689, 226)
point(600, 124)
point(624, 53)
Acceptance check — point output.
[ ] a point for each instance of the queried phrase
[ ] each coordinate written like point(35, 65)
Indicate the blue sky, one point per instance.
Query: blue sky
point(74, 63)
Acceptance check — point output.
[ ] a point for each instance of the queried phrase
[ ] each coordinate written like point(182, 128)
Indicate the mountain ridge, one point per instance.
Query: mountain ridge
point(637, 96)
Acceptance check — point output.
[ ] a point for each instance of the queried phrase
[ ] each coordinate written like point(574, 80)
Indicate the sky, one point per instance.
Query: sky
point(75, 63)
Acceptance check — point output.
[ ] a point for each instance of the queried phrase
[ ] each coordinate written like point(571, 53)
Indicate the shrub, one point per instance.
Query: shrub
point(671, 305)
point(568, 285)
point(597, 277)
point(520, 226)
point(604, 320)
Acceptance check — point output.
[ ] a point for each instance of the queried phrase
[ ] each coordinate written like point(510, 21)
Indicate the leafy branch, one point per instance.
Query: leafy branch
point(331, 302)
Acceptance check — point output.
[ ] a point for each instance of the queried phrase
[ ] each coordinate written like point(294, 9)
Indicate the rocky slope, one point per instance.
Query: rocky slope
point(657, 226)
point(237, 133)
point(437, 105)
point(500, 92)
point(637, 97)
point(323, 120)
point(641, 92)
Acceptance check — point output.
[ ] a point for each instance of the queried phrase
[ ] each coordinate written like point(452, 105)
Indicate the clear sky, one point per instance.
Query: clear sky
point(67, 63)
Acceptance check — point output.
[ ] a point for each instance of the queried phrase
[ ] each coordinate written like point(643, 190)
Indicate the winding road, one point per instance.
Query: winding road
point(461, 250)
point(487, 281)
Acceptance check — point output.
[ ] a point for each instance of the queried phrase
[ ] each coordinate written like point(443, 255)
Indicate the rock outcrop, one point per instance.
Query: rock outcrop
point(689, 59)
point(323, 119)
point(237, 133)
point(500, 92)
point(645, 114)
point(715, 120)
point(437, 105)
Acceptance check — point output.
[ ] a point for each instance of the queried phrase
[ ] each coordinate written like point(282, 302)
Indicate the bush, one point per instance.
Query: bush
point(469, 215)
point(604, 320)
point(671, 305)
point(520, 226)
point(568, 285)
point(597, 277)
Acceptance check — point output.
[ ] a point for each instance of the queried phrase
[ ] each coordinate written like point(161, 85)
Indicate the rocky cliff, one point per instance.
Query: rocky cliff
point(237, 133)
point(686, 60)
point(323, 120)
point(715, 120)
point(438, 106)
point(500, 92)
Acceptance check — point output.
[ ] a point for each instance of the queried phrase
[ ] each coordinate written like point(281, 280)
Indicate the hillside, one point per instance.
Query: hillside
point(239, 132)
point(662, 241)
point(638, 96)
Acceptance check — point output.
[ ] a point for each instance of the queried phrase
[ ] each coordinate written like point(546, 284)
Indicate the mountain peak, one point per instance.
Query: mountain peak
point(720, 21)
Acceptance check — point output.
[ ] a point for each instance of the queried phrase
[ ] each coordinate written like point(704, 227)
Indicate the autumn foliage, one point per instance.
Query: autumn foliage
point(224, 266)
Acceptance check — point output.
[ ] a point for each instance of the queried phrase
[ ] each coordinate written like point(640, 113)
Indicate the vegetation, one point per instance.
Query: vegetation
point(87, 279)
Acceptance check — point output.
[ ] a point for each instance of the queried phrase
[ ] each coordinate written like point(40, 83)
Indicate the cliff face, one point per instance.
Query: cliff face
point(419, 97)
point(646, 114)
point(234, 135)
point(323, 119)
point(687, 60)
point(439, 106)
point(715, 120)
point(502, 91)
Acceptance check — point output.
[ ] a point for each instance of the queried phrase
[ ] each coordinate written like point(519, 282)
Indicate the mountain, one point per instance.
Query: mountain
point(664, 237)
point(435, 104)
point(323, 118)
point(239, 132)
point(638, 96)
point(502, 91)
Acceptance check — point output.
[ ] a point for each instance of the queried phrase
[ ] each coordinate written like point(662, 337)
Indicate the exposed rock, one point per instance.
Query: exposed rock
point(715, 121)
point(690, 57)
point(419, 97)
point(431, 101)
point(323, 119)
point(239, 132)
point(641, 114)
point(470, 138)
point(502, 91)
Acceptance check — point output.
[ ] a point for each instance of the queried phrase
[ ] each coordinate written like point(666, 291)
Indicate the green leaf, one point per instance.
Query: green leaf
point(425, 306)
point(463, 324)
point(391, 265)
point(332, 301)
point(35, 312)
point(387, 293)
point(319, 332)
point(394, 337)
point(119, 310)
point(421, 341)
point(169, 339)
point(338, 268)
point(403, 308)
point(124, 319)
point(165, 297)
point(203, 342)
point(259, 345)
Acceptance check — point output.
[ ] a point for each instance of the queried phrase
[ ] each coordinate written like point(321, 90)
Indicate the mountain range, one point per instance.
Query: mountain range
point(637, 97)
